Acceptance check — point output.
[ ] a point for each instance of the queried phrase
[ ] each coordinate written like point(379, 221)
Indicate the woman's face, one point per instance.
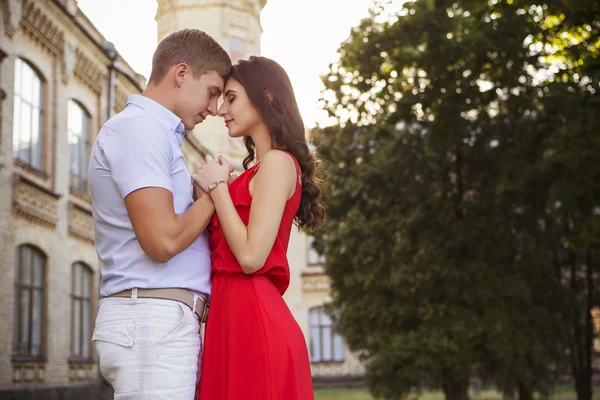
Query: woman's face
point(241, 116)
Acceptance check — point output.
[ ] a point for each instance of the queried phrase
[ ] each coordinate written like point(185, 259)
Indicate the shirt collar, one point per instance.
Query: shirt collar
point(165, 117)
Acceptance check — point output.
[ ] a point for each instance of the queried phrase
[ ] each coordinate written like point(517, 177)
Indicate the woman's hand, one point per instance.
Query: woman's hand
point(212, 171)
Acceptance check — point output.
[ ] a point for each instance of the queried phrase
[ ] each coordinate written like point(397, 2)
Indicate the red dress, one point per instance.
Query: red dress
point(254, 348)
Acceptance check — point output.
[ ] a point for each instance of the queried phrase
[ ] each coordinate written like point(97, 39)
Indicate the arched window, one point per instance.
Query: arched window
point(326, 345)
point(81, 310)
point(312, 256)
point(29, 305)
point(79, 144)
point(28, 115)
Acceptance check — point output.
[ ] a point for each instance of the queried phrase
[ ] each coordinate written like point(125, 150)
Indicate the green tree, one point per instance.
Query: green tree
point(441, 232)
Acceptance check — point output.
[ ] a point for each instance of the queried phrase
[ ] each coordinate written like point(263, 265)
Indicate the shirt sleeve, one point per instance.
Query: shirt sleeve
point(139, 155)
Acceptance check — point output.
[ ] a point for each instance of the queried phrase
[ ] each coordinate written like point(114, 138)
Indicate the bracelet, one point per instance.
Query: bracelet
point(213, 185)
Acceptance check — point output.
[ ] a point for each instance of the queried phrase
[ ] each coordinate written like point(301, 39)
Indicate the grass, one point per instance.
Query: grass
point(363, 394)
point(342, 394)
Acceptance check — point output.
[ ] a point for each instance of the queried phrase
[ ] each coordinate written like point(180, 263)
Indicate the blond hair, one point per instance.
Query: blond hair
point(193, 47)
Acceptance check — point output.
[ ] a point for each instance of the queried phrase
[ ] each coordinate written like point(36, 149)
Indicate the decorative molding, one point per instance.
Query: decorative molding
point(88, 72)
point(327, 369)
point(316, 282)
point(81, 372)
point(72, 7)
point(69, 61)
point(81, 223)
point(29, 371)
point(12, 16)
point(34, 202)
point(40, 27)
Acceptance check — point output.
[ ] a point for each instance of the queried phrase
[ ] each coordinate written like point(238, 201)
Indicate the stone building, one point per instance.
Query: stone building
point(59, 81)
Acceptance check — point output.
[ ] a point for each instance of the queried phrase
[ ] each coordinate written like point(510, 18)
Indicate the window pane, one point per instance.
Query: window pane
point(38, 270)
point(17, 126)
point(27, 115)
point(36, 138)
point(16, 322)
point(338, 348)
point(77, 137)
point(86, 338)
point(313, 317)
point(325, 319)
point(74, 153)
point(315, 345)
point(24, 334)
point(76, 327)
point(27, 83)
point(36, 322)
point(86, 282)
point(313, 257)
point(77, 279)
point(36, 95)
point(24, 264)
point(25, 134)
point(84, 153)
point(327, 343)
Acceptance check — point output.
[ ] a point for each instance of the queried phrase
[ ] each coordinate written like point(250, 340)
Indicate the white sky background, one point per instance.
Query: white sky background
point(301, 35)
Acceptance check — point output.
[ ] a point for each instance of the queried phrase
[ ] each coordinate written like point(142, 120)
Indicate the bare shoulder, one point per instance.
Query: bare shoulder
point(277, 159)
point(278, 166)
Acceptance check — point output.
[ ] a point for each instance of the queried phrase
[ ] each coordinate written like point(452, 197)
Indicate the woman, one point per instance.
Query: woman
point(255, 350)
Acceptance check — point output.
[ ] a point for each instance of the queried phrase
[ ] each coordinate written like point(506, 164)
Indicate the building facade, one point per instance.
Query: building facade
point(59, 81)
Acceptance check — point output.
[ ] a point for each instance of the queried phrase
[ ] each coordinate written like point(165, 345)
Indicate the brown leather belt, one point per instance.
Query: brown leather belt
point(177, 294)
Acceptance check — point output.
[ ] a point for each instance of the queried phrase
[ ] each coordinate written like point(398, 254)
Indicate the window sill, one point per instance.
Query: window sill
point(38, 173)
point(327, 362)
point(79, 194)
point(22, 175)
point(29, 359)
point(81, 360)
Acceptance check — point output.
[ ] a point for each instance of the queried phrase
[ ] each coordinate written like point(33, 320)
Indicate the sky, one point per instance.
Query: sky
point(301, 35)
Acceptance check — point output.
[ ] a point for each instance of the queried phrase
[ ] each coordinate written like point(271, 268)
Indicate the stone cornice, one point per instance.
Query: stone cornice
point(315, 282)
point(89, 73)
point(34, 202)
point(246, 6)
point(12, 16)
point(39, 27)
point(81, 224)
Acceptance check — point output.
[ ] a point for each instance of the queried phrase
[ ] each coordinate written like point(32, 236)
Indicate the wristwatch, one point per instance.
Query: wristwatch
point(214, 185)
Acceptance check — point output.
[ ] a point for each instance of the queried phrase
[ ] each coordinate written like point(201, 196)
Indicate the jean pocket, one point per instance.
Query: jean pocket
point(117, 356)
point(174, 333)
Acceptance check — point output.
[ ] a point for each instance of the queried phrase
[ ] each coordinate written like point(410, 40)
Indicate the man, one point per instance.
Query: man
point(154, 259)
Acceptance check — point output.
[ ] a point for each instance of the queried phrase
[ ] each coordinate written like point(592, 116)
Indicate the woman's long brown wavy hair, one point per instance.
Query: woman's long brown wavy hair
point(282, 117)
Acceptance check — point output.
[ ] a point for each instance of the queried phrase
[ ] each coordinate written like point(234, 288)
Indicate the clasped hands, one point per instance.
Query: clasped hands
point(213, 170)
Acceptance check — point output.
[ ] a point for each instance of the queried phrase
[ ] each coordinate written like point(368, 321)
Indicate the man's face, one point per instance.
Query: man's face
point(198, 98)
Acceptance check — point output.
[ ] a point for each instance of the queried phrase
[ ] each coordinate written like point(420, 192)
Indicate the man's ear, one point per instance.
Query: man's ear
point(181, 70)
point(269, 95)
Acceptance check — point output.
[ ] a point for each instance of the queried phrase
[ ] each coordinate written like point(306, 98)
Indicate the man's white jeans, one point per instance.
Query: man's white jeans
point(148, 348)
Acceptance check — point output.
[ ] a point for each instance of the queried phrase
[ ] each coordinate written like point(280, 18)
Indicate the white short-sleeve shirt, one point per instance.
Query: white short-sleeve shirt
point(137, 148)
